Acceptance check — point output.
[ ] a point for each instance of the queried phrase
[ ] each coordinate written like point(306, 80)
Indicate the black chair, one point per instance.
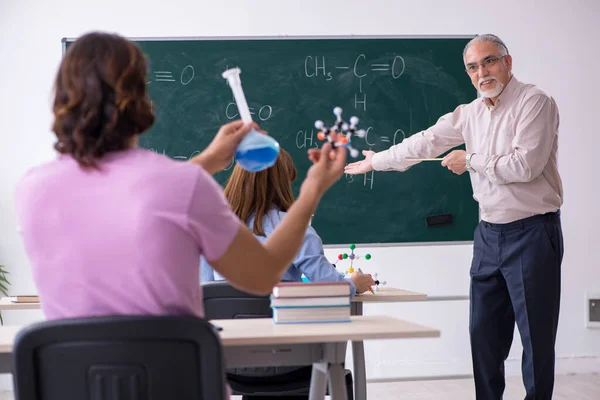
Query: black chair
point(223, 301)
point(119, 358)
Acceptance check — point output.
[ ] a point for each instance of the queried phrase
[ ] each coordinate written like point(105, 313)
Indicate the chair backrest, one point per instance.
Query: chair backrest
point(223, 301)
point(119, 358)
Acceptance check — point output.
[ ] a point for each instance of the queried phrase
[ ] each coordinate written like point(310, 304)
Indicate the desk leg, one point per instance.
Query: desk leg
point(6, 363)
point(360, 374)
point(356, 308)
point(358, 357)
point(318, 381)
point(337, 383)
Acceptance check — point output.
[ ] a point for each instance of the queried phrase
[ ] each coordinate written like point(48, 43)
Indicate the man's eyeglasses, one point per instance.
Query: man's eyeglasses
point(487, 63)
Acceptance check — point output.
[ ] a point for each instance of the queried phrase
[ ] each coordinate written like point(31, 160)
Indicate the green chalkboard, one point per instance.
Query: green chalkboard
point(396, 86)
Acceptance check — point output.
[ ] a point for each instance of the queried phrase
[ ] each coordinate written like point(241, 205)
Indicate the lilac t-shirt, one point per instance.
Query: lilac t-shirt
point(123, 240)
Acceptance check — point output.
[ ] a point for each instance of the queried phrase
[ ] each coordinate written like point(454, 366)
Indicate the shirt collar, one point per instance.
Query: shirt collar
point(508, 93)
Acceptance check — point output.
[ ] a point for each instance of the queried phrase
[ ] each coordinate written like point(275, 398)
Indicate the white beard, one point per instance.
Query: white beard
point(493, 92)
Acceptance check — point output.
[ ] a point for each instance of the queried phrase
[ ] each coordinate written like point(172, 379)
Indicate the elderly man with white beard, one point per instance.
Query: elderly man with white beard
point(511, 137)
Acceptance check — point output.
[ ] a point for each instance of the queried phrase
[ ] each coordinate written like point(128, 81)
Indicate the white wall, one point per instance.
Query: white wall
point(554, 45)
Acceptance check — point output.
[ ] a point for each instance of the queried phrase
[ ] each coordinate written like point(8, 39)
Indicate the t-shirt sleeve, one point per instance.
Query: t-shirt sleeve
point(210, 219)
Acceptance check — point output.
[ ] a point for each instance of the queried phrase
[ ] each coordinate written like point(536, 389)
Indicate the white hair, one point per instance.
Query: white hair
point(488, 37)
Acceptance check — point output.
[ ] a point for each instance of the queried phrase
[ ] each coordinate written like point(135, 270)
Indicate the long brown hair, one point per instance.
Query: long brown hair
point(258, 192)
point(100, 99)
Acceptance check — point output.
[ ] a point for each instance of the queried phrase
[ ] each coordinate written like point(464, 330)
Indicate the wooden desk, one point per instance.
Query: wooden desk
point(384, 295)
point(260, 342)
point(261, 331)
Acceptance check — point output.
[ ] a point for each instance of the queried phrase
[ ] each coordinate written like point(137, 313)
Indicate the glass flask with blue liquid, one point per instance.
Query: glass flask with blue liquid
point(257, 151)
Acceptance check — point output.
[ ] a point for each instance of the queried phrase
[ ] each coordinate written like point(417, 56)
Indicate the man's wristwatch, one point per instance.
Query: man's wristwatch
point(468, 162)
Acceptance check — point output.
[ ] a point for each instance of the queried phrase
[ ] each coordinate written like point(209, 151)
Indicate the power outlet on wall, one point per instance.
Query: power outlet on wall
point(592, 310)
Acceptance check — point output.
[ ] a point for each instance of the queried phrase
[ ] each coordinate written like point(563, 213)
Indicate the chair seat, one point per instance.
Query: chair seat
point(295, 383)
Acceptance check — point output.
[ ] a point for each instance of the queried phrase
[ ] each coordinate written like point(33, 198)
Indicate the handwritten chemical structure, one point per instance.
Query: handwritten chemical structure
point(316, 66)
point(192, 155)
point(307, 138)
point(165, 75)
point(264, 113)
point(358, 70)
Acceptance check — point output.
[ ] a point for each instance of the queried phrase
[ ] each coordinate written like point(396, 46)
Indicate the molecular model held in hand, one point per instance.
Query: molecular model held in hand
point(340, 134)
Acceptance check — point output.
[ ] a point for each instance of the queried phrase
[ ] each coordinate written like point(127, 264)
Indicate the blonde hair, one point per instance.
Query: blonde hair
point(258, 192)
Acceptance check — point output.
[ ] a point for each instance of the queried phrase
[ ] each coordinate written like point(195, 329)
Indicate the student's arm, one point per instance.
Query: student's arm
point(254, 267)
point(311, 262)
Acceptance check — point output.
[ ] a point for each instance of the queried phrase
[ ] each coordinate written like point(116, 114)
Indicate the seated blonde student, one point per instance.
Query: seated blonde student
point(111, 228)
point(262, 200)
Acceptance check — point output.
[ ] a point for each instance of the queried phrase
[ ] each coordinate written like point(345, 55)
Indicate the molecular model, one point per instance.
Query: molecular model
point(340, 134)
point(352, 256)
point(375, 277)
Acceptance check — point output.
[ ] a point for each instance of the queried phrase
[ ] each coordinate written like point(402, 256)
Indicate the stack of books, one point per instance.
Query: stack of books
point(311, 302)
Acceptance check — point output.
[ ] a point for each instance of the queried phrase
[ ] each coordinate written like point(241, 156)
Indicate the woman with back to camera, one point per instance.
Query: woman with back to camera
point(120, 229)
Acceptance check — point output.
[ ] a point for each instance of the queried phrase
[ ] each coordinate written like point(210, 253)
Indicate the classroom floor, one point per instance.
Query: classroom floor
point(571, 387)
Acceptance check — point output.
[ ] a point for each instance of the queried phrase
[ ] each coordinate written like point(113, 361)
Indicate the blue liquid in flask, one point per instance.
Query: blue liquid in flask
point(257, 152)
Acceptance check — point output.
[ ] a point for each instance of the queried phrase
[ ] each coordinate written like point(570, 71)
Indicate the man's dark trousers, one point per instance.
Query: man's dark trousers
point(515, 276)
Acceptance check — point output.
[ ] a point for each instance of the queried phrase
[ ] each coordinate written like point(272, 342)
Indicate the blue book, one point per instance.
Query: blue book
point(310, 301)
point(311, 314)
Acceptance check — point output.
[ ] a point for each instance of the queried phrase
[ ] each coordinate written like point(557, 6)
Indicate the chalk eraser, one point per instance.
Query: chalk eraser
point(437, 220)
